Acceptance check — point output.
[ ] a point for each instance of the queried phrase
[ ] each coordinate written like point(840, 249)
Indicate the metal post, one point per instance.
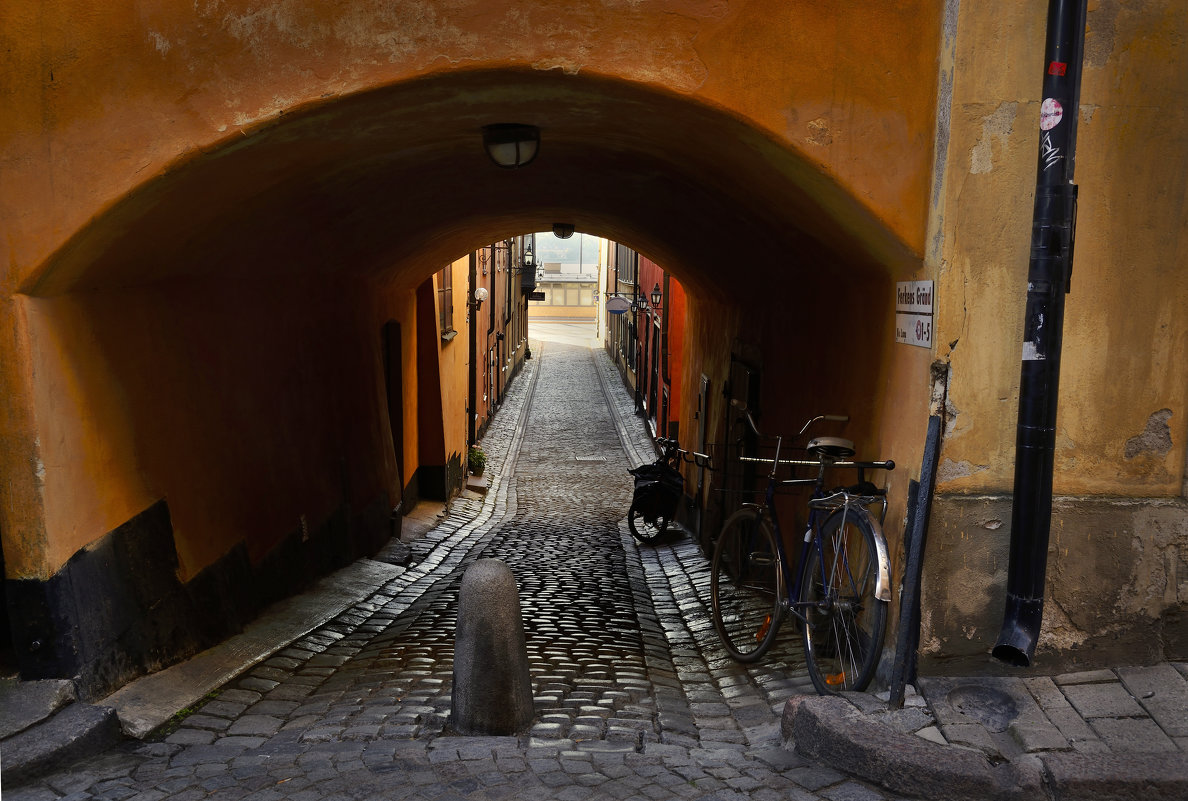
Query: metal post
point(903, 669)
point(1048, 280)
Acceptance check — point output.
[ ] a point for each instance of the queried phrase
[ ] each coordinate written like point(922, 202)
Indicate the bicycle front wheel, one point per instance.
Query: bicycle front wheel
point(845, 622)
point(747, 585)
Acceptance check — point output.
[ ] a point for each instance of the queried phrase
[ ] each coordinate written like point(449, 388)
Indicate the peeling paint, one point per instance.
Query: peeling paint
point(1101, 29)
point(819, 133)
point(1156, 437)
point(950, 470)
point(997, 126)
point(160, 42)
point(929, 642)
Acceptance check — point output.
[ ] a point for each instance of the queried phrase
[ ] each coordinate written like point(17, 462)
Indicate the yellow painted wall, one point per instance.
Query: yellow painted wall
point(246, 411)
point(1118, 551)
point(454, 359)
point(1124, 329)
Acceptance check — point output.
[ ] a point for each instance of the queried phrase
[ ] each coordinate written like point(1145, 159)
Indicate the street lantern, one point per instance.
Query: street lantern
point(511, 145)
point(656, 296)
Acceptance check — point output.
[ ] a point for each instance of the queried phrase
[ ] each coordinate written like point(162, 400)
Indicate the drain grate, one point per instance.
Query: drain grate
point(992, 708)
point(590, 458)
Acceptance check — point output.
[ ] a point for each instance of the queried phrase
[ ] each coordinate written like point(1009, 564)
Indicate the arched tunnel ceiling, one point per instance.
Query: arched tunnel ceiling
point(394, 183)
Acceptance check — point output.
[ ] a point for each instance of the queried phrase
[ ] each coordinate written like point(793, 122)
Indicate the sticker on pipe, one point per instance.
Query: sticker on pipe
point(1051, 113)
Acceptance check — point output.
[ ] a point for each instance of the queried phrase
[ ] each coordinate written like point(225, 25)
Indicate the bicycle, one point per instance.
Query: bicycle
point(840, 597)
point(658, 488)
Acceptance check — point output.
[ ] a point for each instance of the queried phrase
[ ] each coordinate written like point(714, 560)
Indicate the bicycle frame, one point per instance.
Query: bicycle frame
point(817, 513)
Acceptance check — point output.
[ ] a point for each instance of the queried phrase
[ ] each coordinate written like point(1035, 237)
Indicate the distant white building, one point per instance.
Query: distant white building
point(570, 292)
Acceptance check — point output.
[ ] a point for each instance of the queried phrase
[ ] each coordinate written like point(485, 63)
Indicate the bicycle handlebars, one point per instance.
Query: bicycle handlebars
point(672, 448)
point(887, 464)
point(746, 414)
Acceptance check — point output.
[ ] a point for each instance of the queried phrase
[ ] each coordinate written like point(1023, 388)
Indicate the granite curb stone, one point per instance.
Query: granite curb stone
point(78, 730)
point(1116, 777)
point(835, 731)
point(831, 729)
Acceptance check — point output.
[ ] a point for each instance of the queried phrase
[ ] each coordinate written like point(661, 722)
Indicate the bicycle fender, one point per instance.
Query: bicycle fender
point(883, 579)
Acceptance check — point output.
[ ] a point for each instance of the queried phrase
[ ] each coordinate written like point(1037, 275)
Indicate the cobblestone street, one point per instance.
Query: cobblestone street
point(634, 697)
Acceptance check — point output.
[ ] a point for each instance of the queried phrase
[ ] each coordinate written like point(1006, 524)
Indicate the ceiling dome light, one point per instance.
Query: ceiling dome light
point(511, 144)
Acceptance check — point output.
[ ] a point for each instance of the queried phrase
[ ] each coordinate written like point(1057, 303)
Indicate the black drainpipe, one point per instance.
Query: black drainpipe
point(1048, 280)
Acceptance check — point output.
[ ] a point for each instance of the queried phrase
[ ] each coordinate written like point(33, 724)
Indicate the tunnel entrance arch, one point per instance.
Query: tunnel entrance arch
point(209, 339)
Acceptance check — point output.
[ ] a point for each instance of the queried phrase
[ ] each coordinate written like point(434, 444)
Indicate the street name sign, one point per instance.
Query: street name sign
point(913, 313)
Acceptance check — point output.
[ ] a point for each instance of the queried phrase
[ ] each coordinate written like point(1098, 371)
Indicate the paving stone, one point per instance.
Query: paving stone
point(970, 735)
point(255, 725)
point(1163, 693)
point(207, 722)
point(1102, 700)
point(1061, 714)
point(188, 736)
point(1085, 677)
point(1132, 735)
point(1038, 738)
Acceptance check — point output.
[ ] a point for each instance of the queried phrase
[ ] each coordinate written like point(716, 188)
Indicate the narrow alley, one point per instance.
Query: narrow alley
point(634, 697)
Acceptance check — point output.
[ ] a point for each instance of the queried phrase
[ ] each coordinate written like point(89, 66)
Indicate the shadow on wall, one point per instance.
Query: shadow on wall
point(249, 425)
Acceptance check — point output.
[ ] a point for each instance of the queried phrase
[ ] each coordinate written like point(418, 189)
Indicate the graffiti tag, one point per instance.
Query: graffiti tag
point(1049, 153)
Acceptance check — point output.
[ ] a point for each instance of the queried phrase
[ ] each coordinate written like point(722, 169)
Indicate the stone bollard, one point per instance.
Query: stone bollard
point(492, 690)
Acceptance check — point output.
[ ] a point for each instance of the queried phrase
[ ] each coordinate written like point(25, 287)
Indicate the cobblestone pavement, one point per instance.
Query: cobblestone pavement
point(634, 698)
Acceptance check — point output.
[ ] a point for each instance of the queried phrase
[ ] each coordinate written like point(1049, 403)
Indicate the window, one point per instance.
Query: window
point(445, 301)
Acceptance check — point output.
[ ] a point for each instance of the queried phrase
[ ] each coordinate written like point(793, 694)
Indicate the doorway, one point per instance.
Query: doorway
point(392, 345)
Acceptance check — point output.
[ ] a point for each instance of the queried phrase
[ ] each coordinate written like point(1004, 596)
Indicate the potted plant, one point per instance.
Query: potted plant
point(476, 460)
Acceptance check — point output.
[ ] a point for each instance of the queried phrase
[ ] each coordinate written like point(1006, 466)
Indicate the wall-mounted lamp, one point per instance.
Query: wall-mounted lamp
point(480, 295)
point(528, 256)
point(562, 230)
point(511, 144)
point(657, 296)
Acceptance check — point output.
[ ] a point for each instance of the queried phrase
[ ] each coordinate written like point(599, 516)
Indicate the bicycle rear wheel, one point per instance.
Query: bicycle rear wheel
point(747, 585)
point(642, 530)
point(843, 635)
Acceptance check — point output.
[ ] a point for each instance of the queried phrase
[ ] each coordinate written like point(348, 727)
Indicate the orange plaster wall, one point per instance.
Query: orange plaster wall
point(710, 329)
point(102, 101)
point(400, 305)
point(852, 86)
point(246, 408)
point(25, 536)
point(102, 97)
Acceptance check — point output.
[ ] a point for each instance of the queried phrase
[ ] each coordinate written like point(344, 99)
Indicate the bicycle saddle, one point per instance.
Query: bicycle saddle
point(831, 448)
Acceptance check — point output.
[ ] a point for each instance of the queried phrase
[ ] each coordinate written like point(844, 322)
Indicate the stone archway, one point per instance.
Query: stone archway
point(209, 339)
